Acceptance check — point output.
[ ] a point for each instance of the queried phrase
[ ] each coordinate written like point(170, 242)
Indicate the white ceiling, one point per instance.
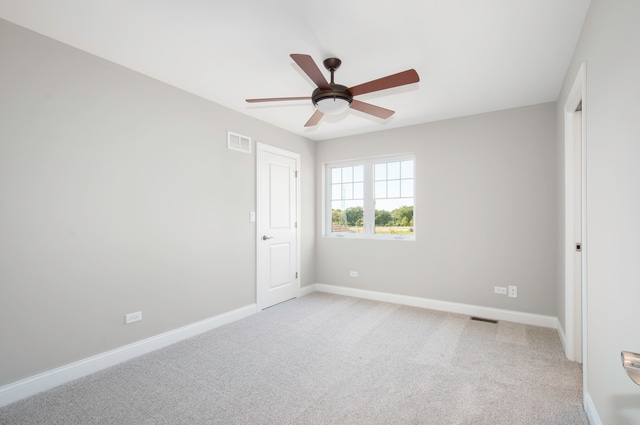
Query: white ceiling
point(473, 56)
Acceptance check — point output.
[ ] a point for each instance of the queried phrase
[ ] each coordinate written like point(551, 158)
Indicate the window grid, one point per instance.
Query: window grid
point(371, 198)
point(347, 183)
point(393, 180)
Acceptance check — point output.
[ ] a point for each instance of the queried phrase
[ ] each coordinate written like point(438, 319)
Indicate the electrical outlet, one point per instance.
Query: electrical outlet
point(500, 290)
point(133, 317)
point(513, 291)
point(353, 274)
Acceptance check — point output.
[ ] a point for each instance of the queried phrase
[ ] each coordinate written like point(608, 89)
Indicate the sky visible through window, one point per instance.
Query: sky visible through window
point(393, 187)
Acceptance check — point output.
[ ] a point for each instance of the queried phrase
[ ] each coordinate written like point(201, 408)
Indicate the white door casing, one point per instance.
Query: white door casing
point(278, 237)
point(575, 222)
point(577, 235)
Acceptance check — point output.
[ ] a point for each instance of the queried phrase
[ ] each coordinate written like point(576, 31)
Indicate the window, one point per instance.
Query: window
point(371, 198)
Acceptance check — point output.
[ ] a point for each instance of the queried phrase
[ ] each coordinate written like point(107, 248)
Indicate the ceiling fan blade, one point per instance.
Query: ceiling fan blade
point(370, 109)
point(276, 99)
point(400, 79)
point(315, 118)
point(311, 69)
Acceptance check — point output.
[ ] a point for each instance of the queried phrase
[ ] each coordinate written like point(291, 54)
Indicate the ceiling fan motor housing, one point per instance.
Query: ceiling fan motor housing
point(337, 91)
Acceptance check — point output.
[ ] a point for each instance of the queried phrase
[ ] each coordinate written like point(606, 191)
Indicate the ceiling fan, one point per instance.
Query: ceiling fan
point(331, 98)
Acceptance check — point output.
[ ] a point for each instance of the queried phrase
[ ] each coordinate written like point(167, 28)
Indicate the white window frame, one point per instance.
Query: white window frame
point(368, 202)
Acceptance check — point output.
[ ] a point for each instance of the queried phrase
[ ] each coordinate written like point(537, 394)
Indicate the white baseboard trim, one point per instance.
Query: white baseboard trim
point(47, 380)
point(306, 290)
point(590, 409)
point(451, 307)
point(50, 379)
point(563, 339)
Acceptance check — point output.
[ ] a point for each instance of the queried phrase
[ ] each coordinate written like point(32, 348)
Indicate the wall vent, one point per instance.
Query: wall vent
point(482, 319)
point(238, 142)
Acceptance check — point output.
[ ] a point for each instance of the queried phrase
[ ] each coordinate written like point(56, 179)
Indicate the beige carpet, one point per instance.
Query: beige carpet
point(327, 359)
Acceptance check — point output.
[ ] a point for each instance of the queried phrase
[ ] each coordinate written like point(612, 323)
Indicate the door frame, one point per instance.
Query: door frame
point(572, 313)
point(262, 148)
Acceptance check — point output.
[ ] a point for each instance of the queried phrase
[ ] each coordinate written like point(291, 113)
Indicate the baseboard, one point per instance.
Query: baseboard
point(50, 379)
point(563, 339)
point(451, 307)
point(306, 290)
point(590, 409)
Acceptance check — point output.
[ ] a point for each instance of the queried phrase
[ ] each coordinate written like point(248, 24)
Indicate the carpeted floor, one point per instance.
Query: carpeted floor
point(327, 359)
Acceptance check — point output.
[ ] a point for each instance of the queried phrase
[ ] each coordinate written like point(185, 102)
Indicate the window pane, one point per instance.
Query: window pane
point(358, 173)
point(407, 188)
point(358, 191)
point(380, 172)
point(347, 174)
point(394, 218)
point(347, 217)
point(336, 175)
point(393, 170)
point(385, 204)
point(407, 169)
point(347, 191)
point(336, 191)
point(383, 218)
point(393, 189)
point(381, 189)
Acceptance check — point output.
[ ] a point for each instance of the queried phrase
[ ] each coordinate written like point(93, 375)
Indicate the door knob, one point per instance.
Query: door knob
point(265, 237)
point(631, 364)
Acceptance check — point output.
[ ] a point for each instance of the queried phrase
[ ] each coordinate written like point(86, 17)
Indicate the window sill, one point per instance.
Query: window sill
point(370, 237)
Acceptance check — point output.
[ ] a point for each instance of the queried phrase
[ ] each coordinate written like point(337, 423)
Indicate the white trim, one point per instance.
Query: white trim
point(451, 307)
point(576, 95)
point(563, 337)
point(306, 290)
point(591, 411)
point(52, 378)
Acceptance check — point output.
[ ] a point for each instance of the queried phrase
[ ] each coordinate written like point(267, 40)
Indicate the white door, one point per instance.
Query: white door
point(277, 228)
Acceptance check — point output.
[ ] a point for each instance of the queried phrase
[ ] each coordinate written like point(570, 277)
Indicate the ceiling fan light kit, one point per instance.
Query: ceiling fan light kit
point(332, 105)
point(332, 99)
point(332, 102)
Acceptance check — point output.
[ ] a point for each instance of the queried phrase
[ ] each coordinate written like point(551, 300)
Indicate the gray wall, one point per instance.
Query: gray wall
point(118, 194)
point(610, 47)
point(485, 212)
